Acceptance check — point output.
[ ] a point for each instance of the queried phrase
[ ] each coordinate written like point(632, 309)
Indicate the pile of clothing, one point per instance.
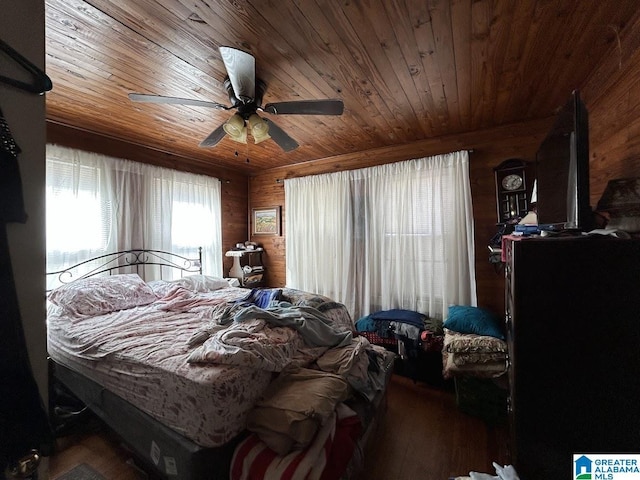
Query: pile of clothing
point(402, 328)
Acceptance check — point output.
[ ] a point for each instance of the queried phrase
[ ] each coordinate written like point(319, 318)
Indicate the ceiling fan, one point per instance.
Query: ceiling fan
point(245, 93)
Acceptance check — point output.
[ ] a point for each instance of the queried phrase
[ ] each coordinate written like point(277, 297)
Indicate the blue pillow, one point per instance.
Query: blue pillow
point(464, 319)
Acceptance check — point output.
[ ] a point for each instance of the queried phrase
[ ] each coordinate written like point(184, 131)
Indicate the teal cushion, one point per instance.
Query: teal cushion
point(464, 319)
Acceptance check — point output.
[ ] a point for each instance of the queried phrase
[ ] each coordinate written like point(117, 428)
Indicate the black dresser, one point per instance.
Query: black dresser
point(573, 329)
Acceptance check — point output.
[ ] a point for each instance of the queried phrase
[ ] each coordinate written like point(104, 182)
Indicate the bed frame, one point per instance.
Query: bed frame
point(158, 449)
point(127, 261)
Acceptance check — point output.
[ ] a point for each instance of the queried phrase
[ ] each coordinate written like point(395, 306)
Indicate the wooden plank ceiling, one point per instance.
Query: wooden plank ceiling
point(407, 70)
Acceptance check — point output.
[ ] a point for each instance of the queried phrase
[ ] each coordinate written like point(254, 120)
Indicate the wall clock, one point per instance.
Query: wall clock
point(511, 190)
point(512, 182)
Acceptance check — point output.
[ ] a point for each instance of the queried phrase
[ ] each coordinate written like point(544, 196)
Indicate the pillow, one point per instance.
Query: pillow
point(160, 287)
point(465, 319)
point(99, 295)
point(456, 342)
point(201, 283)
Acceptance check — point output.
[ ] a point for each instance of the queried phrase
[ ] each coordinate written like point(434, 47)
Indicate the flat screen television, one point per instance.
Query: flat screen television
point(562, 171)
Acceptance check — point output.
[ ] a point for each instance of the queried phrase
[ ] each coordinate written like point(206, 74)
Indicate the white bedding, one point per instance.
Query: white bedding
point(141, 354)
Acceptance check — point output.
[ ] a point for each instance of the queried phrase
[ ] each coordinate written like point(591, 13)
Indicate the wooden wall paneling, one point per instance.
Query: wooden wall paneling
point(323, 30)
point(483, 79)
point(615, 152)
point(419, 92)
point(406, 71)
point(444, 44)
point(611, 93)
point(558, 45)
point(234, 184)
point(494, 149)
point(432, 57)
point(477, 140)
point(490, 148)
point(374, 51)
point(624, 46)
point(87, 140)
point(235, 203)
point(267, 190)
point(461, 31)
point(516, 49)
point(612, 97)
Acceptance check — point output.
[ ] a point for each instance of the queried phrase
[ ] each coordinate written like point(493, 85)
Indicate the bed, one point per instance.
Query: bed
point(191, 372)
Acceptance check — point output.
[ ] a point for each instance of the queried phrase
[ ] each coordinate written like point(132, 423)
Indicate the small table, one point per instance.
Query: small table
point(251, 276)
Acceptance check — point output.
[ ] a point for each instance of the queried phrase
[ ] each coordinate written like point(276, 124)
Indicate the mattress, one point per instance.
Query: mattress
point(141, 354)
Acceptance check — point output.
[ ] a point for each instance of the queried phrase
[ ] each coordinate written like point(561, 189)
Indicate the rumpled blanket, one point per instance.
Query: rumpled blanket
point(269, 339)
point(253, 344)
point(352, 363)
point(180, 299)
point(314, 326)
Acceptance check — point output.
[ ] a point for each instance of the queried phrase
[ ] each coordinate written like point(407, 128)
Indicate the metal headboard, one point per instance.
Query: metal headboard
point(127, 261)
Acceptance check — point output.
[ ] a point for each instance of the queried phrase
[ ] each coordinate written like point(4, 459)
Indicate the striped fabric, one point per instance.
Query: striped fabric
point(325, 459)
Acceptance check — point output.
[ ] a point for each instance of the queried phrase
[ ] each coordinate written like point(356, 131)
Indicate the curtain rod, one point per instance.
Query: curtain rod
point(280, 180)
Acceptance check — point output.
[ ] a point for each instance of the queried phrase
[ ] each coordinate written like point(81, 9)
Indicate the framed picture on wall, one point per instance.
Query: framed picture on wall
point(265, 221)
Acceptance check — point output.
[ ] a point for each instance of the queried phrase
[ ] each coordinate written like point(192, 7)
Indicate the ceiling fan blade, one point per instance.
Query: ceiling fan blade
point(214, 137)
point(280, 137)
point(241, 68)
point(142, 97)
point(306, 107)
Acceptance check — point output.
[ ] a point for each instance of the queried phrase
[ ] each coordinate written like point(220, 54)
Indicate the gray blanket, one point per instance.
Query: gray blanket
point(315, 328)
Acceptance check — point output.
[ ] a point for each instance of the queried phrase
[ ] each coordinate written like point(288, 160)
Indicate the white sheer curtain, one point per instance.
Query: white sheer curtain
point(393, 236)
point(320, 234)
point(98, 204)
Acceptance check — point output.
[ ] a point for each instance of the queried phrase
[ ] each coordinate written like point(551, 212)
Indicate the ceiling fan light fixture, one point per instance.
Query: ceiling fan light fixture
point(259, 128)
point(245, 92)
point(235, 128)
point(242, 138)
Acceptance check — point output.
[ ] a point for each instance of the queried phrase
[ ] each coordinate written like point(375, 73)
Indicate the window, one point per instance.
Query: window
point(98, 204)
point(401, 236)
point(67, 202)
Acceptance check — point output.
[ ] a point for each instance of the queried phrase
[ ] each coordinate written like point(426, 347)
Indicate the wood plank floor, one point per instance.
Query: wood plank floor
point(423, 436)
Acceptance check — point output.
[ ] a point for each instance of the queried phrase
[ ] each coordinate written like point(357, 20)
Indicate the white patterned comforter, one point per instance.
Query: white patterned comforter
point(141, 354)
